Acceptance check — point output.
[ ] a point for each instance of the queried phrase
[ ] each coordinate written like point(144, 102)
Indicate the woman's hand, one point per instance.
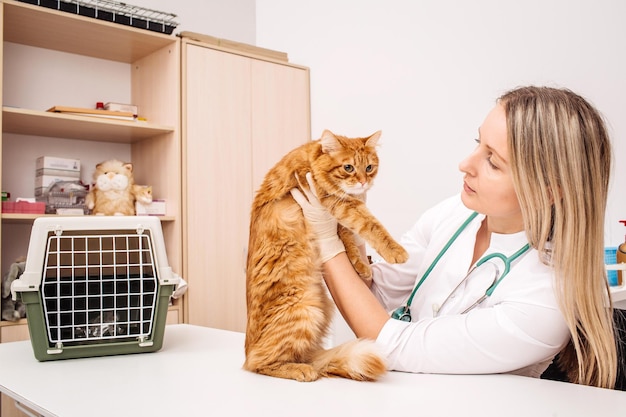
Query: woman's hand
point(357, 304)
point(323, 224)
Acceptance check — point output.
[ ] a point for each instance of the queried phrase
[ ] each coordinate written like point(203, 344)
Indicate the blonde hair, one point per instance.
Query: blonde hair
point(561, 156)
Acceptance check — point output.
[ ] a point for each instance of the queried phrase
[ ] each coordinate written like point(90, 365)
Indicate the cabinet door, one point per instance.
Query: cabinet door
point(242, 115)
point(218, 185)
point(280, 114)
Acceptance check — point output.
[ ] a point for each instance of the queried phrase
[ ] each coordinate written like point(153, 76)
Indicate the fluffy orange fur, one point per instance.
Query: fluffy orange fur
point(289, 312)
point(113, 190)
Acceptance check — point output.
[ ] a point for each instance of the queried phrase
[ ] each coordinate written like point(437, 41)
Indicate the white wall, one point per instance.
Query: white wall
point(427, 72)
point(232, 19)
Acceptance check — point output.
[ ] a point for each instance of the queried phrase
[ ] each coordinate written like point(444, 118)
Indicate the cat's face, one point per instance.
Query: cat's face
point(350, 164)
point(113, 175)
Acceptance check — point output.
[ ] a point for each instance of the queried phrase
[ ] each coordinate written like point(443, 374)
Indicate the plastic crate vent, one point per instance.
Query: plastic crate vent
point(95, 286)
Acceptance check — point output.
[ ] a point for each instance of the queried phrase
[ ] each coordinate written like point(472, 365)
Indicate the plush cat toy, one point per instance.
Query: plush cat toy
point(113, 191)
point(143, 194)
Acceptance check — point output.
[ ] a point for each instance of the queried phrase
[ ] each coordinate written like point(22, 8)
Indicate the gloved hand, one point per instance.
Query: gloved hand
point(321, 221)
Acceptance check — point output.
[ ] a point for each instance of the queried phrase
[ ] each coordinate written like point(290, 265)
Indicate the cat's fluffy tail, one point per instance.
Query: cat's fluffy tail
point(358, 359)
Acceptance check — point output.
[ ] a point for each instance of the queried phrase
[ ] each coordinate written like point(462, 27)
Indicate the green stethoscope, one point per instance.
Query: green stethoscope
point(404, 313)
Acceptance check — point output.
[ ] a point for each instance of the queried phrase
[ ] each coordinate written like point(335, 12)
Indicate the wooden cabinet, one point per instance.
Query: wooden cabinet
point(241, 114)
point(139, 65)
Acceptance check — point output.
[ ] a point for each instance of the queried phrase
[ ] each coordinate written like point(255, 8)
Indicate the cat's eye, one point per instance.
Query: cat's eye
point(348, 168)
point(369, 168)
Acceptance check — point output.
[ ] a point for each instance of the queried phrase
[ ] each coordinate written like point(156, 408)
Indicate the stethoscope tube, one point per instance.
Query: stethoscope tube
point(403, 313)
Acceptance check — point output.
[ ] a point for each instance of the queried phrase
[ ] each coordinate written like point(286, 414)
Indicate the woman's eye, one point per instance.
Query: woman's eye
point(491, 164)
point(348, 168)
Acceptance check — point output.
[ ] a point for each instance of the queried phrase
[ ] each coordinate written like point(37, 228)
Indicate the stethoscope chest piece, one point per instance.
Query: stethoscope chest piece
point(402, 313)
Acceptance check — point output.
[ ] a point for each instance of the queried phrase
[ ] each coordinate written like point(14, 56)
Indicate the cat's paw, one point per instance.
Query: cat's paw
point(394, 254)
point(302, 372)
point(364, 270)
point(367, 280)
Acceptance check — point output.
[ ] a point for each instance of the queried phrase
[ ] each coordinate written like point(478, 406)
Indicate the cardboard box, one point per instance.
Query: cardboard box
point(23, 207)
point(46, 180)
point(42, 182)
point(58, 173)
point(129, 108)
point(53, 162)
point(156, 208)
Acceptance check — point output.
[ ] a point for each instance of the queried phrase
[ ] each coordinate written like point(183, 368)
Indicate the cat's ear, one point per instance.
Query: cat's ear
point(372, 141)
point(330, 143)
point(128, 166)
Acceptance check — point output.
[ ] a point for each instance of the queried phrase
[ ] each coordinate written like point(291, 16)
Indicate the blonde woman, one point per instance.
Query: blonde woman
point(505, 275)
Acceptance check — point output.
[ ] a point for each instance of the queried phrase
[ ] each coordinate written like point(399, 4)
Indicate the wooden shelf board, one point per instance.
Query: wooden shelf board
point(18, 218)
point(61, 31)
point(12, 323)
point(41, 123)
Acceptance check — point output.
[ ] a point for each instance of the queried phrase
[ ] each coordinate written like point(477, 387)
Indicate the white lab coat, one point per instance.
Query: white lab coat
point(518, 329)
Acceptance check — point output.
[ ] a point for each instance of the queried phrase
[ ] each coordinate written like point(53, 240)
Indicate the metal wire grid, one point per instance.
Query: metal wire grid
point(114, 11)
point(99, 287)
point(134, 12)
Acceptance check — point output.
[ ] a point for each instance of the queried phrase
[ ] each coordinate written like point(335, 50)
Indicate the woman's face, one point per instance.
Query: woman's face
point(487, 181)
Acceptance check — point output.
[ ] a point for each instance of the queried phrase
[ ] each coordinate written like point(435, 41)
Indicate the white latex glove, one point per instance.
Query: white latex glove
point(321, 221)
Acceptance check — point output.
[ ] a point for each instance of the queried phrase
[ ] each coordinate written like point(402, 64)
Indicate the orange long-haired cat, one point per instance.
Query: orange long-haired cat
point(289, 311)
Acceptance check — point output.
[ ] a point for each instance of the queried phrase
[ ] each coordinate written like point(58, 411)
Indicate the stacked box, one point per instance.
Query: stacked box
point(61, 164)
point(25, 207)
point(95, 286)
point(155, 208)
point(130, 108)
point(52, 169)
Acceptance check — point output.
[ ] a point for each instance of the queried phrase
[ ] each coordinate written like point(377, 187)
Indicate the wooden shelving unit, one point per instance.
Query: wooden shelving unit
point(154, 65)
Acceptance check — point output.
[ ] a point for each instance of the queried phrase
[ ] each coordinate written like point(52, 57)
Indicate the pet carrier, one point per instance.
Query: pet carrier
point(95, 286)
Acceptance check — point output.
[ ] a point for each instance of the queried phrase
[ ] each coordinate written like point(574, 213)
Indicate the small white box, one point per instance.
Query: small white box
point(156, 208)
point(57, 172)
point(53, 162)
point(130, 108)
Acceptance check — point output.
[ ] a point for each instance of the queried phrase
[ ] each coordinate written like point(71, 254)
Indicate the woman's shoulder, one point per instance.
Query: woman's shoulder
point(451, 211)
point(441, 219)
